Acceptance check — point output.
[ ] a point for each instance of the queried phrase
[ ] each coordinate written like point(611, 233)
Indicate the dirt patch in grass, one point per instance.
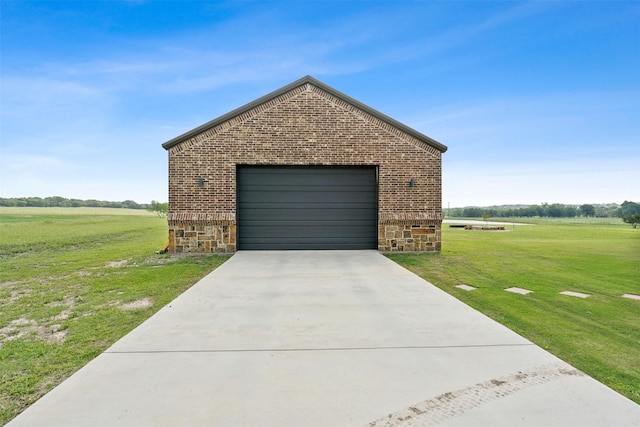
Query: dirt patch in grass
point(49, 330)
point(17, 294)
point(158, 260)
point(137, 305)
point(22, 327)
point(116, 264)
point(9, 284)
point(67, 302)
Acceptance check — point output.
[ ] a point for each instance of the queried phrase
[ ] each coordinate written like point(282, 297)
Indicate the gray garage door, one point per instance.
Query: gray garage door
point(312, 207)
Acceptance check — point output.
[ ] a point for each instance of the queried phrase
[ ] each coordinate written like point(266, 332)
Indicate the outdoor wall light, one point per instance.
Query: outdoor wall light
point(200, 182)
point(411, 183)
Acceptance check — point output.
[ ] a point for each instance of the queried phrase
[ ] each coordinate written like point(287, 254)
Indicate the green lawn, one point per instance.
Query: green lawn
point(72, 282)
point(599, 335)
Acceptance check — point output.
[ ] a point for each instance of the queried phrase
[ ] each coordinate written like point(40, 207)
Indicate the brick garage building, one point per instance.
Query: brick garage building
point(304, 167)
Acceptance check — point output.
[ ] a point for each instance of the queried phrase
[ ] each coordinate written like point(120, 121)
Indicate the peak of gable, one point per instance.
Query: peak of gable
point(305, 84)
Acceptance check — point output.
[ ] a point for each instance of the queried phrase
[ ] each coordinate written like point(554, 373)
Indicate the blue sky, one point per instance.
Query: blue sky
point(537, 101)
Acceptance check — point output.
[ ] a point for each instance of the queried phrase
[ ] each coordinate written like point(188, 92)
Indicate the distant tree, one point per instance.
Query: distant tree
point(570, 211)
point(56, 202)
point(628, 208)
point(633, 219)
point(508, 213)
point(35, 201)
point(472, 212)
point(588, 210)
point(456, 212)
point(159, 209)
point(630, 213)
point(486, 216)
point(130, 204)
point(555, 210)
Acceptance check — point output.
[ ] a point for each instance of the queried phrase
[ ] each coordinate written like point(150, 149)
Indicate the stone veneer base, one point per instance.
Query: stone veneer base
point(410, 238)
point(203, 237)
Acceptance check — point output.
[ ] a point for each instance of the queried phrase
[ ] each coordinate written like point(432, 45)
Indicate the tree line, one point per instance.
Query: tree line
point(156, 207)
point(554, 210)
point(628, 211)
point(62, 202)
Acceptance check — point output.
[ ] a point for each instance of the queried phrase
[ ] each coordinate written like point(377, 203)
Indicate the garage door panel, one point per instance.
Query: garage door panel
point(307, 207)
point(305, 218)
point(352, 185)
point(309, 210)
point(308, 195)
point(307, 244)
point(302, 231)
point(274, 177)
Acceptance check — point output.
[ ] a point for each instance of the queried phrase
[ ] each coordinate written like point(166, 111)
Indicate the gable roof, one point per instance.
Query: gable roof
point(305, 80)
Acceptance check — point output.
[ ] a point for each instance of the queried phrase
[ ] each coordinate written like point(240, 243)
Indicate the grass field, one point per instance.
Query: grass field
point(72, 282)
point(599, 335)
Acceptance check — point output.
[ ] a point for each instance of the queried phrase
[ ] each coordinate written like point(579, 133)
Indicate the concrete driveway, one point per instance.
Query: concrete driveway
point(325, 338)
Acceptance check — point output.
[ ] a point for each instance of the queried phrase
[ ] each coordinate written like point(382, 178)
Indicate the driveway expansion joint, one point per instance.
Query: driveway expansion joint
point(283, 350)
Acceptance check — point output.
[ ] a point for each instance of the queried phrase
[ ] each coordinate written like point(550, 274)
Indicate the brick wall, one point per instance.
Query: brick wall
point(304, 126)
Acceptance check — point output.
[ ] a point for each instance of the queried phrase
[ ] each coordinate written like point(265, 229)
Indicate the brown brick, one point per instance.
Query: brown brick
point(304, 126)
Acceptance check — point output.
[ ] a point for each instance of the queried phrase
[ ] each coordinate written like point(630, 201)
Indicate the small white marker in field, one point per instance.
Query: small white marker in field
point(631, 296)
point(519, 291)
point(465, 287)
point(575, 294)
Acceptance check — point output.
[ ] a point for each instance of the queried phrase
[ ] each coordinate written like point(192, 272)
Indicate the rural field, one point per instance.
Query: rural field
point(74, 280)
point(599, 335)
